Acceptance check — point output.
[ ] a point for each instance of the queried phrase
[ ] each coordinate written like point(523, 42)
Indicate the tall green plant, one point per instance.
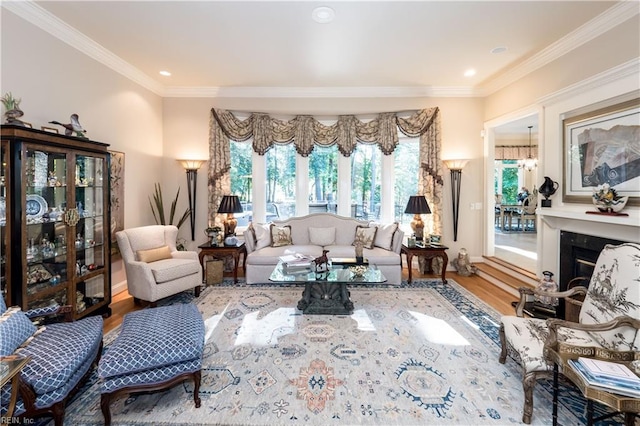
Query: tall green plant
point(157, 208)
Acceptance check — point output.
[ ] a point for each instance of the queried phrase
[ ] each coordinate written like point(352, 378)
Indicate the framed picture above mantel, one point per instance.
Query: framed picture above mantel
point(602, 146)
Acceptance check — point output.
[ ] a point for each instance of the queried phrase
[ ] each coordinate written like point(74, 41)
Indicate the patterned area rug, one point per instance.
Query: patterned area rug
point(420, 354)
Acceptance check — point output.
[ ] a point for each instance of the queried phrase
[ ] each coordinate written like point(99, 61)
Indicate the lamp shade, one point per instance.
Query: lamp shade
point(417, 205)
point(455, 164)
point(230, 204)
point(191, 164)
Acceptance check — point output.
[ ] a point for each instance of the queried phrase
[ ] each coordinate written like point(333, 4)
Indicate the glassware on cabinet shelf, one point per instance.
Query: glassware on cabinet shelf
point(79, 241)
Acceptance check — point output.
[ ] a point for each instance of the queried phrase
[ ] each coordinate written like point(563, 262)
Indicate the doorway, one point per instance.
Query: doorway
point(512, 228)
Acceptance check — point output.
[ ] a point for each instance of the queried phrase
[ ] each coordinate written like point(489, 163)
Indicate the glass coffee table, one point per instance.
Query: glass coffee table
point(326, 293)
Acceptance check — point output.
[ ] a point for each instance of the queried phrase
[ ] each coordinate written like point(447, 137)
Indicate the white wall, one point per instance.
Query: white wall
point(54, 80)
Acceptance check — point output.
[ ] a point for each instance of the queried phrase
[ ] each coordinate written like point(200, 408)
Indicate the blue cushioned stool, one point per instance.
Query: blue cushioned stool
point(156, 349)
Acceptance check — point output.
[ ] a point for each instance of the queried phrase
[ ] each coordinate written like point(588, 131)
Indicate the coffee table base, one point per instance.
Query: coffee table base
point(322, 298)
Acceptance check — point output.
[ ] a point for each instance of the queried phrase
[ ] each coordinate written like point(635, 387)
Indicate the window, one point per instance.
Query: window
point(323, 179)
point(241, 167)
point(281, 179)
point(507, 180)
point(326, 172)
point(406, 167)
point(365, 181)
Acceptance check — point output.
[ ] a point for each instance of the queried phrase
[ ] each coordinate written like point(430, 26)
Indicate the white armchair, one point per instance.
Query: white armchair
point(155, 268)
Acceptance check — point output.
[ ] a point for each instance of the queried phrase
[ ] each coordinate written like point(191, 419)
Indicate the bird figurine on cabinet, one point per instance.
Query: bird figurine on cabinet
point(72, 127)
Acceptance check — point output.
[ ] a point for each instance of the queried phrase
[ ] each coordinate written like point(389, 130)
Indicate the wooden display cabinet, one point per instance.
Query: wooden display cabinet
point(56, 190)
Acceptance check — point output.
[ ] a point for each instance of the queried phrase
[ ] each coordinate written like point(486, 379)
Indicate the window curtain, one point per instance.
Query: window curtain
point(304, 131)
point(514, 152)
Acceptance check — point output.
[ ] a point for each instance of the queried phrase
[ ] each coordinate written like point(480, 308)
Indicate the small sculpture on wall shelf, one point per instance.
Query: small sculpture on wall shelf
point(72, 127)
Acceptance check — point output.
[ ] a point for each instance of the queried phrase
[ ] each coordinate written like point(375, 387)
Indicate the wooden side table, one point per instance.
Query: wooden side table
point(428, 252)
point(220, 252)
point(10, 368)
point(628, 406)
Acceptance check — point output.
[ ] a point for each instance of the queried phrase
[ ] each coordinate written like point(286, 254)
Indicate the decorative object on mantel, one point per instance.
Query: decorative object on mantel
point(13, 111)
point(547, 189)
point(72, 127)
point(608, 201)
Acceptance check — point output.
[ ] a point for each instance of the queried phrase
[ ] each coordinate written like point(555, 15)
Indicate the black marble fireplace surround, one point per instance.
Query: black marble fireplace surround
point(578, 256)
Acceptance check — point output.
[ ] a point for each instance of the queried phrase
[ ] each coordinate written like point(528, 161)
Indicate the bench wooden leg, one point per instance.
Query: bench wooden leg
point(105, 400)
point(196, 387)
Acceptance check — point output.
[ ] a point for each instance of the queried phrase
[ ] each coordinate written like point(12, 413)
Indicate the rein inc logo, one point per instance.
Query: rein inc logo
point(16, 421)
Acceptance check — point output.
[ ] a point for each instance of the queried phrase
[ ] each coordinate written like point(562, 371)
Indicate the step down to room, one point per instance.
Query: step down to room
point(505, 275)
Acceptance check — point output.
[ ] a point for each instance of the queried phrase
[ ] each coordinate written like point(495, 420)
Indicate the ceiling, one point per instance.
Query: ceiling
point(371, 48)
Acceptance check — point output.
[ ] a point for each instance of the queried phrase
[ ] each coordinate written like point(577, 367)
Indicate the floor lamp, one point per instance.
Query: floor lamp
point(191, 167)
point(455, 167)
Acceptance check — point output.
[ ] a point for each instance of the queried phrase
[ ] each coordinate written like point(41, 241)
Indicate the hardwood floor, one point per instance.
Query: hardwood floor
point(500, 300)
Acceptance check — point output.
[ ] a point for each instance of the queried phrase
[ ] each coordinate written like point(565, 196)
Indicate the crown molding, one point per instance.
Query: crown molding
point(36, 15)
point(627, 69)
point(318, 92)
point(41, 18)
point(604, 22)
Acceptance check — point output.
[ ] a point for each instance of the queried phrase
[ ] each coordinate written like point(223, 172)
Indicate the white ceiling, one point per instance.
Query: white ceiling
point(372, 48)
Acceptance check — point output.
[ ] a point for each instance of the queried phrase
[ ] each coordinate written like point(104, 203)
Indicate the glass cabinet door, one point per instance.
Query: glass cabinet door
point(45, 246)
point(5, 255)
point(90, 245)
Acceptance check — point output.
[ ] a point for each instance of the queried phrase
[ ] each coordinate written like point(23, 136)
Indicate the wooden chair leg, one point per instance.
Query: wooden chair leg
point(196, 387)
point(105, 400)
point(527, 385)
point(503, 345)
point(58, 413)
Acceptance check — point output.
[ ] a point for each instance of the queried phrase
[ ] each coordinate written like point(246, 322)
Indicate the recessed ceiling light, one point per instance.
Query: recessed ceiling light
point(165, 73)
point(323, 14)
point(499, 49)
point(470, 72)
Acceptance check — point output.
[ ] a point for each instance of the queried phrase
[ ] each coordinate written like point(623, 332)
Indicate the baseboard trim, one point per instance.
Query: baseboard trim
point(118, 287)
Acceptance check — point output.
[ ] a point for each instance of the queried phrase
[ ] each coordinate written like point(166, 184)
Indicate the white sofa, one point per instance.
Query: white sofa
point(314, 233)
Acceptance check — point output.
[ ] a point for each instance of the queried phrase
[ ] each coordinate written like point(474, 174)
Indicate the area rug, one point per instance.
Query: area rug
point(420, 354)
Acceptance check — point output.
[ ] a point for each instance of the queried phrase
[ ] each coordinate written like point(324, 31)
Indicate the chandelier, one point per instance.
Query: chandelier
point(528, 163)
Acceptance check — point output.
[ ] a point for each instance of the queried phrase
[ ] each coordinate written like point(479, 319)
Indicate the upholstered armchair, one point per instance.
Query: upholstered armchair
point(155, 268)
point(61, 356)
point(613, 295)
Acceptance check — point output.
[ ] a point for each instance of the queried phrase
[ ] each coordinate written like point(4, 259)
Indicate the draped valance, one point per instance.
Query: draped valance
point(305, 131)
point(515, 152)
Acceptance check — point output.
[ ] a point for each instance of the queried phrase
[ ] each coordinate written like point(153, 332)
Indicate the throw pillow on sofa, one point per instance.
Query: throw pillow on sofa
point(15, 329)
point(280, 235)
point(322, 236)
point(385, 234)
point(365, 235)
point(261, 235)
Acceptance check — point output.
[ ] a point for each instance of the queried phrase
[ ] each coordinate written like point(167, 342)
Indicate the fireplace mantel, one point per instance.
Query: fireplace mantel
point(575, 219)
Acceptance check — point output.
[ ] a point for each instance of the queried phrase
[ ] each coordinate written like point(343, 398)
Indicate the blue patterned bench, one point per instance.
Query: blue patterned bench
point(156, 349)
